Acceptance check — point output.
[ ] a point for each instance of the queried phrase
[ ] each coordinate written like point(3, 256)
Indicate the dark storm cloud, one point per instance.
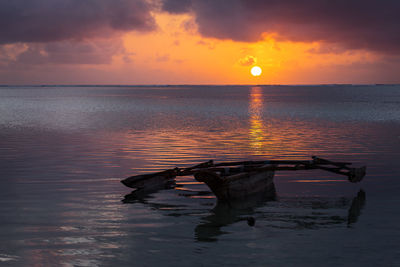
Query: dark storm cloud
point(56, 20)
point(356, 24)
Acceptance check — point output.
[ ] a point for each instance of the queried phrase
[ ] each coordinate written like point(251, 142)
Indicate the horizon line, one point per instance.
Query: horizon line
point(189, 84)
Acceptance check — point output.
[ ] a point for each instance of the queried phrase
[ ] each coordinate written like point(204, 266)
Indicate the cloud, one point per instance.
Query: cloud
point(58, 20)
point(66, 52)
point(176, 6)
point(9, 53)
point(357, 24)
point(209, 45)
point(324, 48)
point(247, 61)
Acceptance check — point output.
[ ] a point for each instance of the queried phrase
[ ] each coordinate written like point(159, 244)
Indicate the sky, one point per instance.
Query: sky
point(199, 41)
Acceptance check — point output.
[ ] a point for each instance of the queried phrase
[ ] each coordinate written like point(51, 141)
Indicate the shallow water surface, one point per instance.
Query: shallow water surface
point(63, 151)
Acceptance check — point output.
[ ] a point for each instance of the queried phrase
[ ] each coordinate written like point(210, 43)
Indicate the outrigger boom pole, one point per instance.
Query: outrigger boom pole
point(228, 168)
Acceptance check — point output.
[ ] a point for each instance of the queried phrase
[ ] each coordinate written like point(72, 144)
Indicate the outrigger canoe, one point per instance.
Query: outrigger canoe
point(238, 180)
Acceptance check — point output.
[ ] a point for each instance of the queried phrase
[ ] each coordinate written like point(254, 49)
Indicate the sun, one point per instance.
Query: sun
point(256, 71)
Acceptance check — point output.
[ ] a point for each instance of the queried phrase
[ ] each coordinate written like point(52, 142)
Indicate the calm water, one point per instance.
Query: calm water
point(63, 151)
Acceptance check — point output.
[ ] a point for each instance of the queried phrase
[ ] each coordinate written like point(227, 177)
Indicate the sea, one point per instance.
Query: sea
point(65, 149)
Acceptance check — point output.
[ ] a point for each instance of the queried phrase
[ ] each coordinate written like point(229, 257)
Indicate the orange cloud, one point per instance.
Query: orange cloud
point(247, 61)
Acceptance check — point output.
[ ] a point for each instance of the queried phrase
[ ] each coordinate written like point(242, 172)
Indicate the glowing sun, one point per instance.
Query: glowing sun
point(256, 71)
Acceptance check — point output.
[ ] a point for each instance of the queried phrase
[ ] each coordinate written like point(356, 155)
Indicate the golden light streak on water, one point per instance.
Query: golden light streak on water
point(257, 129)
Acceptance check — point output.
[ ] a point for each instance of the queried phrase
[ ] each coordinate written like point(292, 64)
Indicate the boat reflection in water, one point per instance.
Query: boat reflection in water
point(356, 206)
point(306, 213)
point(226, 213)
point(264, 209)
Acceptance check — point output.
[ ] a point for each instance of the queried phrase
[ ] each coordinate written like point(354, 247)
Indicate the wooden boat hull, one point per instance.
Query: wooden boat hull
point(149, 181)
point(238, 186)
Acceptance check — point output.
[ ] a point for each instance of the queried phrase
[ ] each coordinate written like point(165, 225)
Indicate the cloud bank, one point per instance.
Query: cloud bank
point(357, 24)
point(58, 20)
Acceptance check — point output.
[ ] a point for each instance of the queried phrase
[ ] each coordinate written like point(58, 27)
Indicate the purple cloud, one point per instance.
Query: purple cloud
point(98, 52)
point(356, 24)
point(57, 20)
point(176, 6)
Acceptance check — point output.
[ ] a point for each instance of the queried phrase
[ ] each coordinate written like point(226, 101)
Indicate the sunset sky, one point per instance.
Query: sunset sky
point(199, 41)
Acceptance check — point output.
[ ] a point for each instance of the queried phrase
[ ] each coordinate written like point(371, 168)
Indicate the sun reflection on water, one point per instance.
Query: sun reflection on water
point(257, 128)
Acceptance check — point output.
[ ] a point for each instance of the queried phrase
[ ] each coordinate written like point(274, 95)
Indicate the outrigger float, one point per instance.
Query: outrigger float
point(231, 181)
